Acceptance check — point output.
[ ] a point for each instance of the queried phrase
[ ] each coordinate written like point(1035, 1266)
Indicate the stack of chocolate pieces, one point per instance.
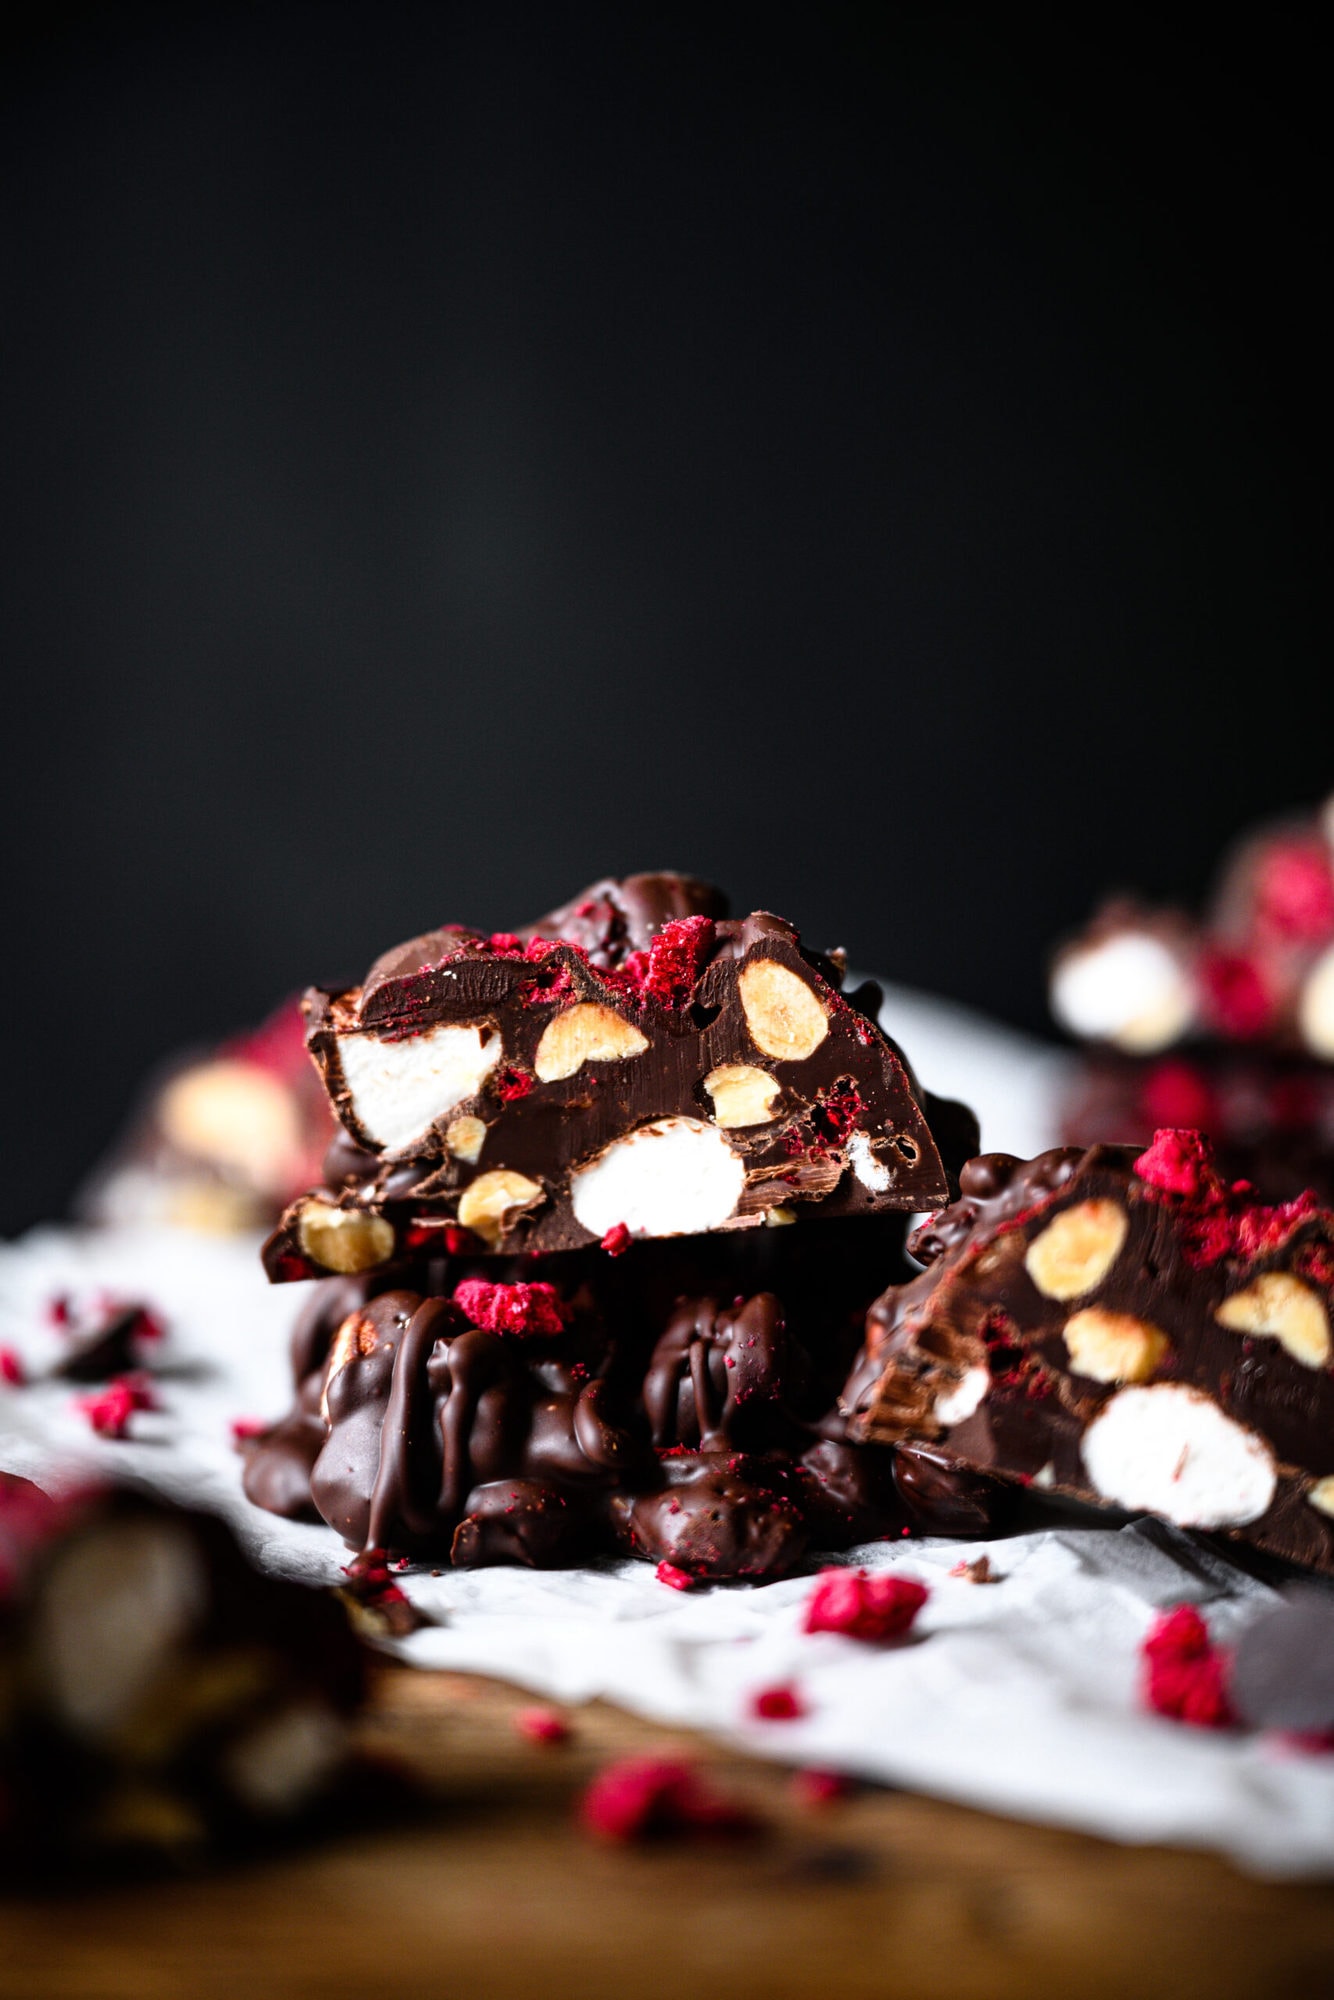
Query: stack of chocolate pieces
point(595, 1243)
point(1223, 1021)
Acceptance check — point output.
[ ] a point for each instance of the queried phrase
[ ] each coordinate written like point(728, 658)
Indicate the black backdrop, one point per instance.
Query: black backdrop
point(876, 457)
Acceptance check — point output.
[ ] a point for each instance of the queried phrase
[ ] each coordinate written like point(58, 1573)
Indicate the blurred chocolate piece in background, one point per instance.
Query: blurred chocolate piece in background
point(1223, 1022)
point(222, 1142)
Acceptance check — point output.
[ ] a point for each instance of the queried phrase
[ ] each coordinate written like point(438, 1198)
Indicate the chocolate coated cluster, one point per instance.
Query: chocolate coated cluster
point(499, 1419)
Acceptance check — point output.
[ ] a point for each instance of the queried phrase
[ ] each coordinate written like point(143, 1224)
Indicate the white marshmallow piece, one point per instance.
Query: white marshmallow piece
point(400, 1088)
point(872, 1173)
point(117, 1604)
point(1315, 1007)
point(1130, 990)
point(675, 1177)
point(1171, 1451)
point(286, 1757)
point(957, 1404)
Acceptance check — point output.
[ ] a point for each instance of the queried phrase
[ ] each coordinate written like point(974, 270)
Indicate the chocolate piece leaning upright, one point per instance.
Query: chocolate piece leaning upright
point(1126, 1330)
point(642, 1074)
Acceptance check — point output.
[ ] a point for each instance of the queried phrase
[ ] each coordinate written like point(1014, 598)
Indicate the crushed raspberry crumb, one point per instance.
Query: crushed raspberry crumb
point(862, 1606)
point(59, 1311)
point(11, 1368)
point(674, 1578)
point(1184, 1673)
point(459, 1242)
point(513, 1083)
point(616, 1240)
point(837, 1113)
point(644, 1798)
point(542, 1725)
point(1309, 1742)
point(109, 1411)
point(780, 1703)
point(1180, 1162)
point(512, 1308)
point(246, 1429)
point(814, 1789)
point(503, 942)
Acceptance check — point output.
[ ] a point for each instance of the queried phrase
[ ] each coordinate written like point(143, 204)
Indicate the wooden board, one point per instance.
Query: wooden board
point(498, 1894)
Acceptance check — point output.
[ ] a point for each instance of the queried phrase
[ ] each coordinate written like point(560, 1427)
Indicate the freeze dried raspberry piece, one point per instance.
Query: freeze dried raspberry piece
point(780, 1703)
point(674, 1578)
point(537, 1309)
point(110, 1410)
point(646, 1798)
point(864, 1606)
point(649, 1067)
point(1184, 1674)
point(545, 1726)
point(1121, 1326)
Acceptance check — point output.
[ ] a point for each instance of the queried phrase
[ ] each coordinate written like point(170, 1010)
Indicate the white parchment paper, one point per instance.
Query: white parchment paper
point(1019, 1696)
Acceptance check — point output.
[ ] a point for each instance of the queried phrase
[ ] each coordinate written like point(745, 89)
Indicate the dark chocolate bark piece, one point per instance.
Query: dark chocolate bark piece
point(160, 1694)
point(1124, 1329)
point(547, 1092)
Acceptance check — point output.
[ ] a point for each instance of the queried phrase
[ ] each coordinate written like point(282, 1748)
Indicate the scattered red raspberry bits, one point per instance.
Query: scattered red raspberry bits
point(541, 1725)
point(617, 1239)
point(648, 1798)
point(459, 1242)
point(674, 1578)
point(110, 1410)
point(815, 1789)
point(524, 1309)
point(503, 941)
point(245, 1430)
point(11, 1368)
point(59, 1312)
point(861, 1606)
point(1184, 1673)
point(780, 1703)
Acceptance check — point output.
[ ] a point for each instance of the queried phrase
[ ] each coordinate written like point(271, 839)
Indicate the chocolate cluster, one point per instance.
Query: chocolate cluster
point(1222, 1021)
point(548, 1411)
point(610, 1198)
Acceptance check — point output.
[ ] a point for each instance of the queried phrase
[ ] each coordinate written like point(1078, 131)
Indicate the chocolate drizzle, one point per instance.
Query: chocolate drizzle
point(677, 1426)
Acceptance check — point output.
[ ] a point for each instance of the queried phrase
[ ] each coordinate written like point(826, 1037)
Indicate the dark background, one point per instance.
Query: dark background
point(876, 457)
